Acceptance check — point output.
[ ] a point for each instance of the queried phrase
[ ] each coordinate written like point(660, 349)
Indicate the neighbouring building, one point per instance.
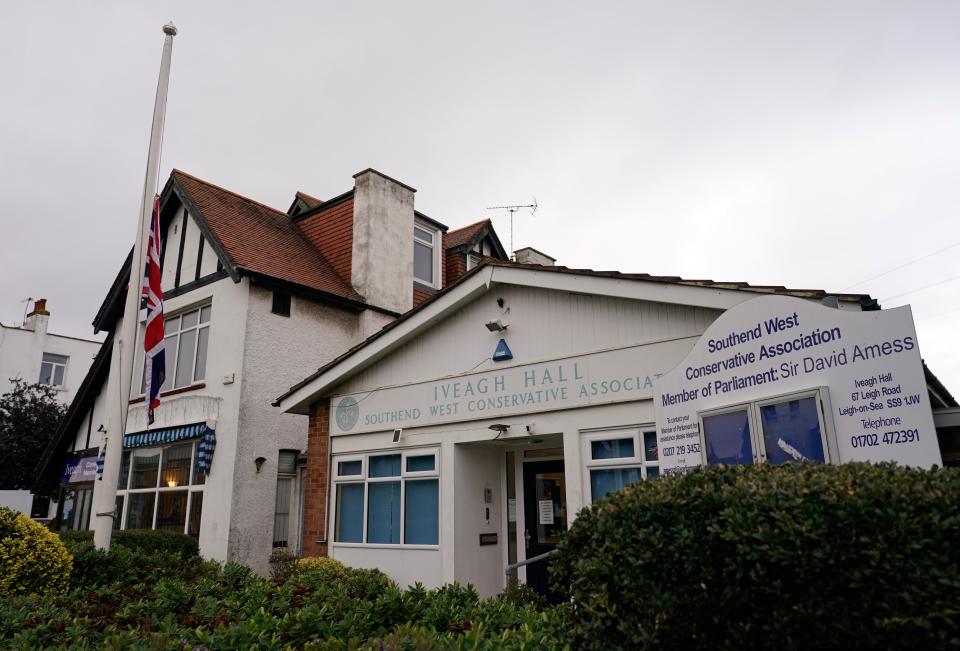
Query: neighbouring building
point(32, 353)
point(461, 440)
point(254, 298)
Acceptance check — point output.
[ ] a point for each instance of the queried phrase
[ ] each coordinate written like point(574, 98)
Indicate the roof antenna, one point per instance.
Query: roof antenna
point(26, 307)
point(512, 209)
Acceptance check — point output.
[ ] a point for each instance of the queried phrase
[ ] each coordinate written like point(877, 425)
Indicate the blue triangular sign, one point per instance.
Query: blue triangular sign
point(502, 353)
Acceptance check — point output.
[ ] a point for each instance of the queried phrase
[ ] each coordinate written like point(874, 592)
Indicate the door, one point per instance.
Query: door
point(545, 517)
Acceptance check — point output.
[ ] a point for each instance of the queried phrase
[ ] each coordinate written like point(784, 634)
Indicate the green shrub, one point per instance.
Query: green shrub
point(794, 557)
point(32, 559)
point(95, 568)
point(144, 540)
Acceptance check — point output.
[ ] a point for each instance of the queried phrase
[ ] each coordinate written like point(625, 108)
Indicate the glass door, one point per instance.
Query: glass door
point(545, 517)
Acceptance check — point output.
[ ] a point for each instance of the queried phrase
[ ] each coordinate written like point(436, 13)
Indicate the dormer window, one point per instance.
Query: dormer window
point(425, 255)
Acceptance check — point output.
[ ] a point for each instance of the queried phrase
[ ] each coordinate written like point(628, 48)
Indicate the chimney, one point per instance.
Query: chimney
point(38, 318)
point(382, 262)
point(530, 255)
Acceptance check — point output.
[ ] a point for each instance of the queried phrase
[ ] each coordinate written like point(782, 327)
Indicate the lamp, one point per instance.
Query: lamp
point(397, 433)
point(499, 428)
point(259, 461)
point(496, 326)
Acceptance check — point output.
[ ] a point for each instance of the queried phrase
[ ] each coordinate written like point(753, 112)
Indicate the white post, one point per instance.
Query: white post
point(121, 365)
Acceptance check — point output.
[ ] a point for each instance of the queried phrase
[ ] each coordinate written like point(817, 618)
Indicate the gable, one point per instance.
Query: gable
point(544, 324)
point(188, 257)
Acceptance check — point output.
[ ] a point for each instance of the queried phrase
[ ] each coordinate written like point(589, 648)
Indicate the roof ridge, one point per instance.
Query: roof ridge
point(231, 192)
point(477, 223)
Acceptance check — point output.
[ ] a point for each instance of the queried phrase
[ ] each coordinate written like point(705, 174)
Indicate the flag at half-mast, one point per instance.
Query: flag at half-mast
point(155, 365)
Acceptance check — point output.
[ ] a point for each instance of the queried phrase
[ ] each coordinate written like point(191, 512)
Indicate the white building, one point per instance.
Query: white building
point(31, 353)
point(254, 298)
point(463, 438)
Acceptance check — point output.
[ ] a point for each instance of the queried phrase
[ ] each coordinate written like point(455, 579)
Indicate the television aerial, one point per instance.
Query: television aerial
point(512, 209)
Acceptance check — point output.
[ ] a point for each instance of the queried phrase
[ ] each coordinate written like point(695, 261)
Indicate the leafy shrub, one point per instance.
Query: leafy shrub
point(282, 564)
point(521, 594)
point(144, 540)
point(95, 568)
point(32, 559)
point(797, 556)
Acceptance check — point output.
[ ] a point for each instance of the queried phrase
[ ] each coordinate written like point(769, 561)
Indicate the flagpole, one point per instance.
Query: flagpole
point(121, 363)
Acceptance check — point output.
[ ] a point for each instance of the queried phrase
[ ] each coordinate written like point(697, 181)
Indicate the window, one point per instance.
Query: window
point(425, 258)
point(159, 488)
point(387, 499)
point(53, 369)
point(616, 459)
point(281, 302)
point(186, 337)
point(778, 430)
point(286, 474)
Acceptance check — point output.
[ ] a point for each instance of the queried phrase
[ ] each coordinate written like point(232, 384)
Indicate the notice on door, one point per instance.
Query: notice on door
point(546, 511)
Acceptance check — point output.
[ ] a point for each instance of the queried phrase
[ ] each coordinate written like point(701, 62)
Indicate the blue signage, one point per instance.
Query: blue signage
point(502, 353)
point(78, 468)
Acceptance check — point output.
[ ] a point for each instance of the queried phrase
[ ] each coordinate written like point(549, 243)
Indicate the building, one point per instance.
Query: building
point(253, 297)
point(31, 353)
point(458, 442)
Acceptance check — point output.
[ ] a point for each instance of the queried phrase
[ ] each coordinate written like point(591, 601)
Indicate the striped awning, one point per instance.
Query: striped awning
point(162, 436)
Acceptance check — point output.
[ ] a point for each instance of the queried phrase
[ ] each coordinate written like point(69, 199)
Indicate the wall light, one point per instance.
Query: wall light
point(259, 461)
point(499, 428)
point(397, 434)
point(496, 326)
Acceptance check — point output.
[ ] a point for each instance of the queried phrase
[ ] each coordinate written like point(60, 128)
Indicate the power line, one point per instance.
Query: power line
point(905, 264)
point(920, 289)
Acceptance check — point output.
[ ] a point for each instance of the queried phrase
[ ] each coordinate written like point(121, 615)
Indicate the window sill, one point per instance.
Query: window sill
point(173, 392)
point(385, 546)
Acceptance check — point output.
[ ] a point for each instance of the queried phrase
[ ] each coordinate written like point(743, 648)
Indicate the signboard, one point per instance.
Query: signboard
point(78, 468)
point(618, 375)
point(862, 369)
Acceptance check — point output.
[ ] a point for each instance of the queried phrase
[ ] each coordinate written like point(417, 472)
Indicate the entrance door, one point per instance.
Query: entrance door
point(545, 517)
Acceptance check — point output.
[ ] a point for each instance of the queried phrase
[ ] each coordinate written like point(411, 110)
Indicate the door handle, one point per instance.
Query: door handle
point(526, 537)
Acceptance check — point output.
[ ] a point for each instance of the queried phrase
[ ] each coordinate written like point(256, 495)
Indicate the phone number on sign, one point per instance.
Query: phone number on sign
point(887, 438)
point(681, 449)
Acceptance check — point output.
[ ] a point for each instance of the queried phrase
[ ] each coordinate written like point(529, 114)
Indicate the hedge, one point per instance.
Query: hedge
point(32, 559)
point(794, 557)
point(144, 540)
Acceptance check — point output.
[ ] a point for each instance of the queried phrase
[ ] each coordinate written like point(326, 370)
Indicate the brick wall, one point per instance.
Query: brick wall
point(456, 265)
point(331, 231)
point(315, 494)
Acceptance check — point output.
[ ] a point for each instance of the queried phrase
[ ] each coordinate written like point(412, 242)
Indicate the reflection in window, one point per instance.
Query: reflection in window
point(791, 431)
point(607, 480)
point(727, 438)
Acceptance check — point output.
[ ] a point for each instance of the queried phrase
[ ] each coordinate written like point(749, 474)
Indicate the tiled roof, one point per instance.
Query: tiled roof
point(312, 202)
point(261, 240)
point(464, 235)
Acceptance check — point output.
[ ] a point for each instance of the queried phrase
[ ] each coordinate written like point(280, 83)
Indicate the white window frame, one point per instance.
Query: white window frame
point(53, 370)
point(435, 246)
point(190, 488)
point(366, 480)
point(171, 359)
point(755, 420)
point(638, 460)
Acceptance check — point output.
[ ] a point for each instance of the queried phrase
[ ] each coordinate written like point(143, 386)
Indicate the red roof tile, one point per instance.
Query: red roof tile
point(464, 235)
point(312, 202)
point(262, 240)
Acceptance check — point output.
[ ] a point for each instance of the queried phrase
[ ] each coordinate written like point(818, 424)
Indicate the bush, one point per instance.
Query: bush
point(32, 559)
point(144, 540)
point(796, 556)
point(95, 568)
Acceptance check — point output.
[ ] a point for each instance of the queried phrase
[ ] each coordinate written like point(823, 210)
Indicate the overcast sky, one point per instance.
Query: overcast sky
point(813, 146)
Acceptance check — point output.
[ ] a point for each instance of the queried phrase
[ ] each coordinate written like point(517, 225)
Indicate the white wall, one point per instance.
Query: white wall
point(477, 468)
point(543, 324)
point(278, 352)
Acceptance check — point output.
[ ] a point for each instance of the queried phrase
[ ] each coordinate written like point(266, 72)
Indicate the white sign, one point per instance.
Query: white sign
point(619, 375)
point(546, 511)
point(864, 368)
point(511, 510)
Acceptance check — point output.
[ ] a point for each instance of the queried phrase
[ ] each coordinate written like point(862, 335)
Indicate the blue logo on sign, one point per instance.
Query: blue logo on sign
point(502, 353)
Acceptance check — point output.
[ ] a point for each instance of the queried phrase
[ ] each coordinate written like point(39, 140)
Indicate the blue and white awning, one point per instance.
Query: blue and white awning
point(205, 451)
point(163, 436)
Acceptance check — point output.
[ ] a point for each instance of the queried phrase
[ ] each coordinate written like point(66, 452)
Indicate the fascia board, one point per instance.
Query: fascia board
point(641, 290)
point(300, 400)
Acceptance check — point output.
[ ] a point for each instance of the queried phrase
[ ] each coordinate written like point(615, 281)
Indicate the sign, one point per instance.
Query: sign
point(864, 368)
point(78, 468)
point(545, 508)
point(617, 375)
point(502, 353)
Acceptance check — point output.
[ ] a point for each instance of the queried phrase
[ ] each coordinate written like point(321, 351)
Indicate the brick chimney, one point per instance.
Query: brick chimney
point(529, 255)
point(382, 260)
point(37, 319)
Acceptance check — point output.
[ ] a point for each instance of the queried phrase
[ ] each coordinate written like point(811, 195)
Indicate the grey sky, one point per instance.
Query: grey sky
point(815, 145)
